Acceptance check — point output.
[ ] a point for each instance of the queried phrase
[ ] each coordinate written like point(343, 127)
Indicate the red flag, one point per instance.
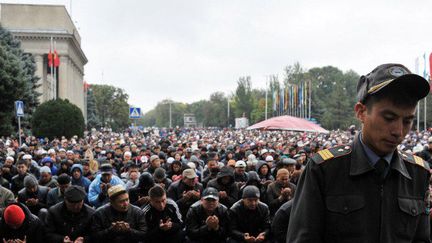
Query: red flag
point(86, 86)
point(56, 59)
point(50, 59)
point(430, 72)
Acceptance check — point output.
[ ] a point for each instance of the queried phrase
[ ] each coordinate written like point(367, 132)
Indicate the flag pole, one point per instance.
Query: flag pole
point(425, 76)
point(310, 96)
point(266, 94)
point(416, 66)
point(52, 69)
point(55, 70)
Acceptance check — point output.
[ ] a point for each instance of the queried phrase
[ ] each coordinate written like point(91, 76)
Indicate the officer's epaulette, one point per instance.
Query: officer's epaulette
point(331, 153)
point(414, 159)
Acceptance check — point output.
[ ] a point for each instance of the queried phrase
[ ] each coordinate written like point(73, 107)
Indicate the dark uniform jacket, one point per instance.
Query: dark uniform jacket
point(105, 215)
point(196, 227)
point(61, 222)
point(339, 199)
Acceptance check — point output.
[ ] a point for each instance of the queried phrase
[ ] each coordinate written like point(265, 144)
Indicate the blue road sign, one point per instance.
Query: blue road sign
point(19, 108)
point(134, 112)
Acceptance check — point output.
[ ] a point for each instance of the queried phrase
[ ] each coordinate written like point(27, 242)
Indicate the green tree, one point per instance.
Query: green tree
point(215, 111)
point(112, 108)
point(92, 118)
point(57, 118)
point(243, 100)
point(30, 94)
point(333, 96)
point(258, 111)
point(18, 82)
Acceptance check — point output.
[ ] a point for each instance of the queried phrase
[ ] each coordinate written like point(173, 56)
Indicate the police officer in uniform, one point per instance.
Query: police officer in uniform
point(368, 191)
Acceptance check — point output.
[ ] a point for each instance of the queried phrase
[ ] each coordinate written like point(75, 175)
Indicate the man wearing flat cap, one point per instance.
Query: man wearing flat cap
point(186, 191)
point(69, 221)
point(368, 191)
point(118, 221)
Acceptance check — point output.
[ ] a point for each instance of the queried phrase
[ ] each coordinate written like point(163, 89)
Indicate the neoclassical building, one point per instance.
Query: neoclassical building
point(37, 26)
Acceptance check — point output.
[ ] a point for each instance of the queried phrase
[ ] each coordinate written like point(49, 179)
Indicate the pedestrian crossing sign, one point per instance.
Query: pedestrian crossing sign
point(19, 108)
point(134, 112)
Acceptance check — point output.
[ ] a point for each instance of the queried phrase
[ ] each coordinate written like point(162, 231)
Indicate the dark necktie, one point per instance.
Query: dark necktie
point(381, 167)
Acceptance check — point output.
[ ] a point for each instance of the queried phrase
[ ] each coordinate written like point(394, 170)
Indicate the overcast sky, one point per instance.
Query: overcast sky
point(186, 50)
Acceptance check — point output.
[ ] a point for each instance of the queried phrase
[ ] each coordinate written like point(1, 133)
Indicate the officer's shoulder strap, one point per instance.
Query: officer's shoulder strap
point(414, 159)
point(331, 153)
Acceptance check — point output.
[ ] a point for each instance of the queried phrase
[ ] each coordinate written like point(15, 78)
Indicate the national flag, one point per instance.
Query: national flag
point(56, 59)
point(86, 86)
point(430, 72)
point(282, 100)
point(50, 59)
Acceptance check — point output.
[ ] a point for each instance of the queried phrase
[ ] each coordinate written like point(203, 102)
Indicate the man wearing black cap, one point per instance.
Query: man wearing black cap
point(98, 189)
point(207, 219)
point(69, 221)
point(249, 218)
point(368, 191)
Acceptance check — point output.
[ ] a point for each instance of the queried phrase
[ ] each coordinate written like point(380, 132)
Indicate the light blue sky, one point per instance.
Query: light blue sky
point(186, 50)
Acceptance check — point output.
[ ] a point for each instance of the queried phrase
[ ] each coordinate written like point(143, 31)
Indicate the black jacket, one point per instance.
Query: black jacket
point(253, 179)
point(141, 190)
point(102, 230)
point(196, 227)
point(153, 218)
point(273, 193)
point(243, 220)
point(279, 225)
point(61, 222)
point(17, 183)
point(32, 228)
point(231, 188)
point(343, 201)
point(41, 194)
point(175, 192)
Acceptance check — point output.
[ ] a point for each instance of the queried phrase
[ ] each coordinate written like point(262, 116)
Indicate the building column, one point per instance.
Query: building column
point(42, 77)
point(63, 76)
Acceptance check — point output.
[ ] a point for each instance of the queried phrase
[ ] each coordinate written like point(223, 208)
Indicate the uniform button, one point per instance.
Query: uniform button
point(414, 211)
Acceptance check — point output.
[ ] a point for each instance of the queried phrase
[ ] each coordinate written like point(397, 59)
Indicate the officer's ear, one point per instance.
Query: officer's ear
point(360, 111)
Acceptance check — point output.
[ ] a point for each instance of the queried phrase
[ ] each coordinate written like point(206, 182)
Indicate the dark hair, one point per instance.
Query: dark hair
point(396, 95)
point(212, 156)
point(156, 192)
point(21, 162)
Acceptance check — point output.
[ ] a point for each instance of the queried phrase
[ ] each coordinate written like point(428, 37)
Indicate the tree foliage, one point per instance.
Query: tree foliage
point(243, 100)
point(58, 118)
point(112, 108)
point(17, 82)
point(333, 99)
point(92, 117)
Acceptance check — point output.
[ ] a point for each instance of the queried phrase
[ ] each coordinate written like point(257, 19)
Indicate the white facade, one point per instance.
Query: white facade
point(35, 26)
